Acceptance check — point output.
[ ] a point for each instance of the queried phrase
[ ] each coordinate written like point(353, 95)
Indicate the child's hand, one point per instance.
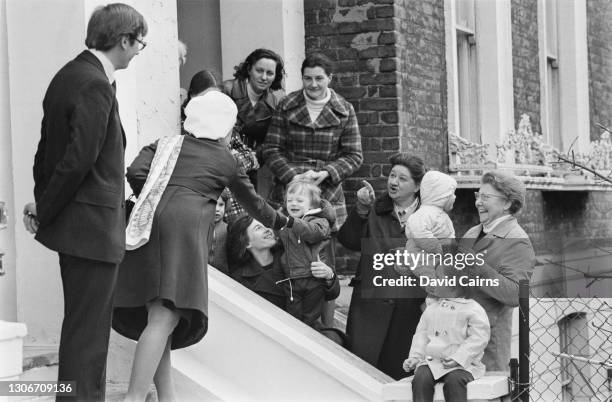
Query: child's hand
point(410, 364)
point(449, 363)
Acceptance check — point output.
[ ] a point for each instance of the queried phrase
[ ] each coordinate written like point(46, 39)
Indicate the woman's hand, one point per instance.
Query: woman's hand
point(312, 176)
point(410, 364)
point(449, 363)
point(321, 270)
point(29, 217)
point(365, 198)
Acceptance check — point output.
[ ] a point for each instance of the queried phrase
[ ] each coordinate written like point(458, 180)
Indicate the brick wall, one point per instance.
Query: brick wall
point(360, 38)
point(423, 108)
point(525, 61)
point(390, 64)
point(599, 40)
point(549, 217)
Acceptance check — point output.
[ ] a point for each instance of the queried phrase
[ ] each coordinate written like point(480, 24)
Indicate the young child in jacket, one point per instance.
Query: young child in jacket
point(304, 240)
point(429, 228)
point(217, 255)
point(448, 344)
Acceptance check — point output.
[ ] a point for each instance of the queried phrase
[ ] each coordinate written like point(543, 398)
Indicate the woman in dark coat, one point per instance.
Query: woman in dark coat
point(254, 260)
point(162, 293)
point(255, 80)
point(382, 320)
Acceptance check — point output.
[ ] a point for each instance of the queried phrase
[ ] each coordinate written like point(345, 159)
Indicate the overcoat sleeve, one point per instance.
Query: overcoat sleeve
point(311, 231)
point(478, 335)
point(351, 156)
point(138, 171)
point(253, 203)
point(353, 230)
point(420, 338)
point(515, 264)
point(275, 148)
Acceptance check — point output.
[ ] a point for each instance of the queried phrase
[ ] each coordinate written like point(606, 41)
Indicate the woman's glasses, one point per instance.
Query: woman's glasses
point(485, 196)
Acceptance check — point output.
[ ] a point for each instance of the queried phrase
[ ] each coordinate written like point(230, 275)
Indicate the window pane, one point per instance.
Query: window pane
point(465, 14)
point(551, 28)
point(468, 89)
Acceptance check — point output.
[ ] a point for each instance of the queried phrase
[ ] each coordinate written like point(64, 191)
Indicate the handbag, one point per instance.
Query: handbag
point(129, 206)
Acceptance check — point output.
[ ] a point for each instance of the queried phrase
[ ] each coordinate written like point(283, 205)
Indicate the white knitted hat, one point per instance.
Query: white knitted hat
point(211, 115)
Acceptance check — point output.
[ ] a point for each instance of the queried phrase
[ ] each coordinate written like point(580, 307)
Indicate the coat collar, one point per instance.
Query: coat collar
point(90, 58)
point(239, 92)
point(500, 230)
point(384, 205)
point(297, 111)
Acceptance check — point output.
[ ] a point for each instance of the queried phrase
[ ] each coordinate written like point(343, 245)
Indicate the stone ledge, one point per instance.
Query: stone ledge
point(492, 387)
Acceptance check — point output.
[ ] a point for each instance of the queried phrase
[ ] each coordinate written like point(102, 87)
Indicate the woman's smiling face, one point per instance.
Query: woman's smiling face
point(400, 185)
point(491, 204)
point(260, 237)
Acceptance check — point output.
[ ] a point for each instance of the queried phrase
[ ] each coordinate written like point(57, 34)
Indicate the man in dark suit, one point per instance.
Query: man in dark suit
point(79, 191)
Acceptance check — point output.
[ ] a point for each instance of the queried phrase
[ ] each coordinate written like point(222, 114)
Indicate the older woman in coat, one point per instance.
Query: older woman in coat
point(508, 256)
point(381, 320)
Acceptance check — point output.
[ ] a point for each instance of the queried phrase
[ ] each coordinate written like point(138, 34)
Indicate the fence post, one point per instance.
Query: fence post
point(524, 340)
point(514, 379)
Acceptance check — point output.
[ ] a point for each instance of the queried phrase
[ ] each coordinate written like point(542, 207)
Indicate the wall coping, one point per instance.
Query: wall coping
point(493, 386)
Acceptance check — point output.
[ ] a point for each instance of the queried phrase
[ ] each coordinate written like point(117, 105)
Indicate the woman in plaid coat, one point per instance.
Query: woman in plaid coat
point(314, 135)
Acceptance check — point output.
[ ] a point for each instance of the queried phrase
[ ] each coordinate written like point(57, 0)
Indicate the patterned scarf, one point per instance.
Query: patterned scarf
point(141, 220)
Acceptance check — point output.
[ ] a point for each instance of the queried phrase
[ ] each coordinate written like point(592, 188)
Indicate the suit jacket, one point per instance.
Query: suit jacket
point(509, 258)
point(79, 165)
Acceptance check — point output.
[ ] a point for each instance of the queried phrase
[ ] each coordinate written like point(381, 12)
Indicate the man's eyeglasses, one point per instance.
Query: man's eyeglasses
point(485, 196)
point(142, 44)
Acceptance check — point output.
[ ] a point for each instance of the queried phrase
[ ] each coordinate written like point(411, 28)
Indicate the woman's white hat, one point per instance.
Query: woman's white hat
point(211, 115)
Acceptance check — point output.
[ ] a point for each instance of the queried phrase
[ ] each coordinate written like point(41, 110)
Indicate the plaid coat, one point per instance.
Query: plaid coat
point(294, 145)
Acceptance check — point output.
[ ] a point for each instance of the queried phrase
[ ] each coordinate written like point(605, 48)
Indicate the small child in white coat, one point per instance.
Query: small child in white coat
point(431, 220)
point(448, 344)
point(430, 228)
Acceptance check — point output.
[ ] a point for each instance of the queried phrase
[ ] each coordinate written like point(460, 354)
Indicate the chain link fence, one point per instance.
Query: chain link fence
point(567, 347)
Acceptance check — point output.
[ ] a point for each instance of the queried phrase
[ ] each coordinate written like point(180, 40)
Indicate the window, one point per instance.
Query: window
point(479, 69)
point(549, 73)
point(575, 375)
point(467, 71)
point(564, 87)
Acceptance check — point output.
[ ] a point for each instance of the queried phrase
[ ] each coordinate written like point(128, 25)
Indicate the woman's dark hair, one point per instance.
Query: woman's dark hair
point(414, 164)
point(237, 242)
point(200, 82)
point(242, 69)
point(318, 60)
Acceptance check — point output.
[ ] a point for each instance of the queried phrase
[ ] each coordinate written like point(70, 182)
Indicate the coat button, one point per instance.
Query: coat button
point(122, 204)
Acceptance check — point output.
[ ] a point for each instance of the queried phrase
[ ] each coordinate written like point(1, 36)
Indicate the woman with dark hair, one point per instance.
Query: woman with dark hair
point(200, 82)
point(254, 255)
point(251, 89)
point(382, 320)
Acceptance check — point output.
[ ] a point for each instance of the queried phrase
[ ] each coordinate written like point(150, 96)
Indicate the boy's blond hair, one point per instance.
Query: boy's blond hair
point(305, 187)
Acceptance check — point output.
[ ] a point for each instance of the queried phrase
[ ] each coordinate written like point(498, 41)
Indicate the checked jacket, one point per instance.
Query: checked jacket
point(295, 144)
